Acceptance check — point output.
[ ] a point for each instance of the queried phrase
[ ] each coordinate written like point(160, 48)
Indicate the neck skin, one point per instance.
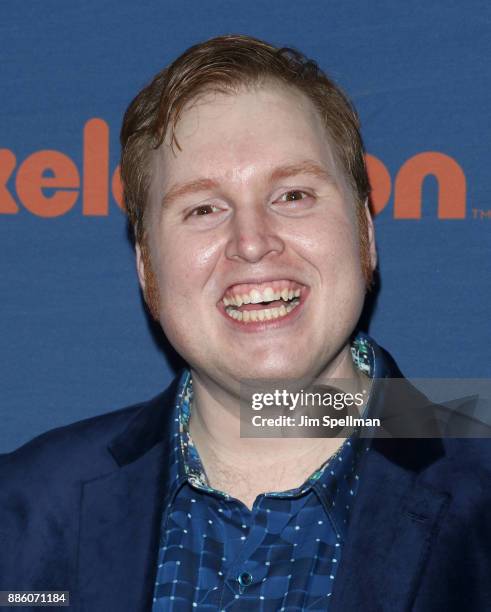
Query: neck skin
point(261, 464)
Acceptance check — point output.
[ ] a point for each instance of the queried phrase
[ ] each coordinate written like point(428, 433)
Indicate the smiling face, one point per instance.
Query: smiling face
point(253, 240)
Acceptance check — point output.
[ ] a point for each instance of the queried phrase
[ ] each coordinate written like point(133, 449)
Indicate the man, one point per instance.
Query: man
point(246, 186)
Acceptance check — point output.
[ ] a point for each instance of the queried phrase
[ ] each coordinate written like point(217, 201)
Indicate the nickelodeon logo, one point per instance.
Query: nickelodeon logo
point(48, 183)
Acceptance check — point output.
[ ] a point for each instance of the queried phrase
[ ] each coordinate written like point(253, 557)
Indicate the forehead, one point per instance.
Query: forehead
point(243, 134)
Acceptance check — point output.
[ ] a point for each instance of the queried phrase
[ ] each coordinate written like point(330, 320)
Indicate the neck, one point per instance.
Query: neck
point(215, 429)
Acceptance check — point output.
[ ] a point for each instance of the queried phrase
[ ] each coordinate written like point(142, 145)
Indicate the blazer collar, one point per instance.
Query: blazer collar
point(394, 524)
point(121, 513)
point(149, 426)
point(396, 515)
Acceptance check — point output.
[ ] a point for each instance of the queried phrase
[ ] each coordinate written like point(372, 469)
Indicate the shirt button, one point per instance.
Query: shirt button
point(244, 579)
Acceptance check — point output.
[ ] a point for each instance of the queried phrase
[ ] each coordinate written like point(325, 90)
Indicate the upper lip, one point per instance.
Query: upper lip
point(263, 279)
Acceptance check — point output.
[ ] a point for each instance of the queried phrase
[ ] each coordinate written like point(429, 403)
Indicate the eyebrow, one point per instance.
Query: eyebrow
point(304, 167)
point(183, 189)
point(282, 172)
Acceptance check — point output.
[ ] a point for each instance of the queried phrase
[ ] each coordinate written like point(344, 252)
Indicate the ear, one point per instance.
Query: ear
point(140, 267)
point(371, 237)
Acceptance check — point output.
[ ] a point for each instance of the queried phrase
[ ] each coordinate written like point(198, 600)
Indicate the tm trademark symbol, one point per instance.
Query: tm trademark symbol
point(480, 213)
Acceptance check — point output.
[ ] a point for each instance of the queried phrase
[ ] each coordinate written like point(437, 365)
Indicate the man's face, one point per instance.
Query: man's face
point(252, 208)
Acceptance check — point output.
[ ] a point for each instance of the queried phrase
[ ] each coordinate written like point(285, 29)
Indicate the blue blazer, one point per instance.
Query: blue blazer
point(80, 511)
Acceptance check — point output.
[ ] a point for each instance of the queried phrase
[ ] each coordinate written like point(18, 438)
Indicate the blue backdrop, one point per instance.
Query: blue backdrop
point(75, 340)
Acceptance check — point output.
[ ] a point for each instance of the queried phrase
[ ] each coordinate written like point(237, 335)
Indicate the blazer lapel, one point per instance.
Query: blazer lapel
point(121, 514)
point(396, 516)
point(394, 521)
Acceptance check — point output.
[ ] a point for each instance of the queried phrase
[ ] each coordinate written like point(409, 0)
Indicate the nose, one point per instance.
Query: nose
point(253, 235)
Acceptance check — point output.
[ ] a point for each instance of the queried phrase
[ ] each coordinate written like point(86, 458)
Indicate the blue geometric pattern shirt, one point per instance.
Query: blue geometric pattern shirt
point(282, 555)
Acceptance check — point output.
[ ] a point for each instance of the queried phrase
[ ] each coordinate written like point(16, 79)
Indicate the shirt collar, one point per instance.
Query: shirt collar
point(335, 477)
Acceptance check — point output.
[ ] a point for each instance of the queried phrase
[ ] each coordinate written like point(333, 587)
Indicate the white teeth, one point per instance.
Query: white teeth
point(268, 294)
point(256, 296)
point(262, 314)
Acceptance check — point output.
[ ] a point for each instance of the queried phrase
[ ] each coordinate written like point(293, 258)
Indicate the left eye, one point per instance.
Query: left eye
point(293, 196)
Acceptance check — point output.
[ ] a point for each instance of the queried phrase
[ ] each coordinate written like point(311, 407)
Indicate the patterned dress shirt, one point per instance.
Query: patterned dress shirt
point(282, 555)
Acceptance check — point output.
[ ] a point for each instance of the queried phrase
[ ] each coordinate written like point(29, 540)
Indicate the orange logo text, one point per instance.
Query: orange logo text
point(56, 172)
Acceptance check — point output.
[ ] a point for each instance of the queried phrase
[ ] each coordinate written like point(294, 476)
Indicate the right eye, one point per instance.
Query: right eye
point(204, 209)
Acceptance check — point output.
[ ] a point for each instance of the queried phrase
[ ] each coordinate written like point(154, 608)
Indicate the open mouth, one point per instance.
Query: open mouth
point(251, 303)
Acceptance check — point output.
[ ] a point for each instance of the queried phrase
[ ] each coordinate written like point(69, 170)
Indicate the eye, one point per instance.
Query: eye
point(205, 215)
point(293, 196)
point(204, 209)
point(295, 199)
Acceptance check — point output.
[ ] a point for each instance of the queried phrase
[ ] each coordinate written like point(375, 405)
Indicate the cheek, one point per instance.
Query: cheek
point(184, 264)
point(332, 247)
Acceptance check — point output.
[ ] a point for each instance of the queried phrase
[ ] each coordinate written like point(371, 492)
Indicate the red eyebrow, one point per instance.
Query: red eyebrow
point(207, 184)
point(179, 190)
point(305, 167)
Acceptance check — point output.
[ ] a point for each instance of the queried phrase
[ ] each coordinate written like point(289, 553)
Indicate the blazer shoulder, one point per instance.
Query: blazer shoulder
point(78, 451)
point(469, 457)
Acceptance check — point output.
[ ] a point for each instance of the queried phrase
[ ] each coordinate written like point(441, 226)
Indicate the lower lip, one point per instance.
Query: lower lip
point(258, 326)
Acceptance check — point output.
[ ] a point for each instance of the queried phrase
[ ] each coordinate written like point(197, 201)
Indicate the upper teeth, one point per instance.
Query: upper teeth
point(255, 296)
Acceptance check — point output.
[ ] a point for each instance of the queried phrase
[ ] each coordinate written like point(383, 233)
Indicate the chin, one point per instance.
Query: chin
point(289, 371)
